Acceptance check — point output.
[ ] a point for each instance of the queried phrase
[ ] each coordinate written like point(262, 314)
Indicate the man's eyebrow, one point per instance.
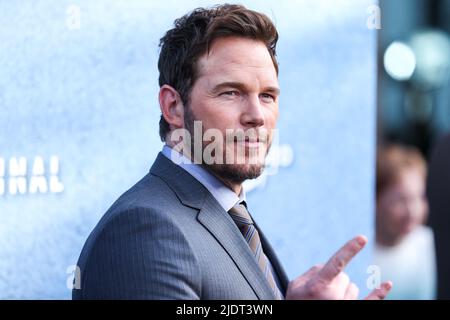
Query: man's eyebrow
point(241, 86)
point(229, 84)
point(274, 90)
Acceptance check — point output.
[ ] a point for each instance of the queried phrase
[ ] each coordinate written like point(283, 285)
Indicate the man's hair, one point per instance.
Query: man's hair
point(393, 160)
point(192, 36)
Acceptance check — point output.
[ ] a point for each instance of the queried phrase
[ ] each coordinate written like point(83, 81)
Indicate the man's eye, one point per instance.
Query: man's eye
point(230, 93)
point(267, 97)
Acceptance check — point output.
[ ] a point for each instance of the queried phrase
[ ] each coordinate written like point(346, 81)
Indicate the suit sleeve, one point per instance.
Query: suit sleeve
point(141, 254)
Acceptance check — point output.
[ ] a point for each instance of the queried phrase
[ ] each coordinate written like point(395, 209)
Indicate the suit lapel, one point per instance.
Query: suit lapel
point(216, 220)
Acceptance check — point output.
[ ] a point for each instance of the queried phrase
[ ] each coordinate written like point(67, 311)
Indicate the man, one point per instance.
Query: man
point(184, 231)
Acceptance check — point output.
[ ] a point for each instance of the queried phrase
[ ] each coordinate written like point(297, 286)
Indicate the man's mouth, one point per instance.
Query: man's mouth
point(251, 142)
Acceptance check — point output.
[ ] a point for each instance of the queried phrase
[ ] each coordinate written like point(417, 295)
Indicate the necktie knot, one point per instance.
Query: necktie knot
point(240, 214)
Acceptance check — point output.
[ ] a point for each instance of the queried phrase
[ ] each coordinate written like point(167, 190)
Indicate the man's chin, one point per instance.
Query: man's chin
point(236, 173)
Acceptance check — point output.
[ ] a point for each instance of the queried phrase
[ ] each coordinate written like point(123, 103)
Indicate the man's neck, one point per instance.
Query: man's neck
point(233, 186)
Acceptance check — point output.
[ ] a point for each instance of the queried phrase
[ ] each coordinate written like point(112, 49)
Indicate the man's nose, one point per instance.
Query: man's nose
point(252, 115)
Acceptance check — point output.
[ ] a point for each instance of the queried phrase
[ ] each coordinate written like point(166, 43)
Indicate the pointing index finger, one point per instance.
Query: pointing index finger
point(341, 258)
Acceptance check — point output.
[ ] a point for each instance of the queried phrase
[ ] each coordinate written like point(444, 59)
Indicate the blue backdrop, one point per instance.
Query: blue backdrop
point(79, 118)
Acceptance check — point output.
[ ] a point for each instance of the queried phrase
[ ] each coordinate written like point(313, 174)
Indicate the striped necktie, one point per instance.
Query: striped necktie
point(245, 224)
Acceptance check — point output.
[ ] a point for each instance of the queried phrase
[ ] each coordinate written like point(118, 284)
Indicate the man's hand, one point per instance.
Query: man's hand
point(329, 282)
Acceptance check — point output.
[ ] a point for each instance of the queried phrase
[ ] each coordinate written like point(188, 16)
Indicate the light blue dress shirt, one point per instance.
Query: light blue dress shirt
point(226, 197)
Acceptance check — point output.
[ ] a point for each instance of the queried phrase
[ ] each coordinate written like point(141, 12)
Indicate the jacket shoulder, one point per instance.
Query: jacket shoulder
point(139, 234)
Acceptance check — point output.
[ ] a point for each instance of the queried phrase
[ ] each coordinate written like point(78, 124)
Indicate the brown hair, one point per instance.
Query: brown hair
point(192, 36)
point(392, 160)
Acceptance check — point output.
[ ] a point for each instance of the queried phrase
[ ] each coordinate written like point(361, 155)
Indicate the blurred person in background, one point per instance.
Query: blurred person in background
point(404, 249)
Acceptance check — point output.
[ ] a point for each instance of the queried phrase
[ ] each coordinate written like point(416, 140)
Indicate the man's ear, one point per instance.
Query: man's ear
point(172, 107)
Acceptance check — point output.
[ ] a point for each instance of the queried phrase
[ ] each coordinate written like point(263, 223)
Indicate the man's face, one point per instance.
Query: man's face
point(237, 89)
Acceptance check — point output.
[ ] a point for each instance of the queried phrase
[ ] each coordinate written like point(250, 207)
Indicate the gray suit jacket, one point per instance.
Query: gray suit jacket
point(168, 238)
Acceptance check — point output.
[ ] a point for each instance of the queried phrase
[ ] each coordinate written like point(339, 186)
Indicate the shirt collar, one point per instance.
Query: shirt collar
point(224, 195)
